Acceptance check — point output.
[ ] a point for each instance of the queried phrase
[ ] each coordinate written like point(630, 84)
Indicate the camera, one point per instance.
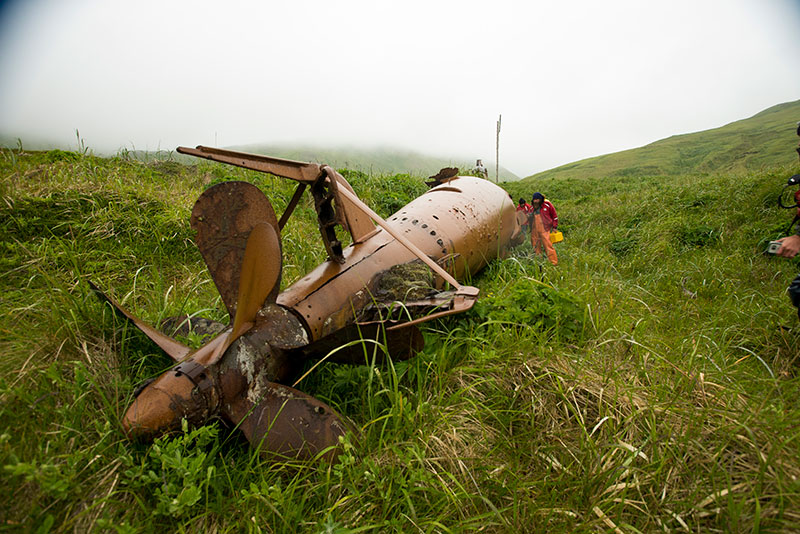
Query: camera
point(773, 247)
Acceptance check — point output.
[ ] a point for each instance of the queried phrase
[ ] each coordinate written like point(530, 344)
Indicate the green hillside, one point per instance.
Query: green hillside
point(767, 138)
point(372, 161)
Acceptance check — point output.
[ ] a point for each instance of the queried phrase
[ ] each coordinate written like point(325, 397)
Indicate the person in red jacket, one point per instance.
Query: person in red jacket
point(542, 220)
point(526, 209)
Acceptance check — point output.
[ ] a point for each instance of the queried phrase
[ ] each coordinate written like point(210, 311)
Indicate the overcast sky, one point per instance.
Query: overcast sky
point(572, 79)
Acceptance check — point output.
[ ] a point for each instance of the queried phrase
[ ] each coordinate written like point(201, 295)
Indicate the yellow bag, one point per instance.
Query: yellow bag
point(556, 237)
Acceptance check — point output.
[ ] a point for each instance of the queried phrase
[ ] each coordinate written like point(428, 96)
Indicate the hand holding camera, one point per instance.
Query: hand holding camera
point(788, 247)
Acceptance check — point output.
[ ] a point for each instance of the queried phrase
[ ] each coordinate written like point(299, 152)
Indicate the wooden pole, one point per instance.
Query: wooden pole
point(497, 152)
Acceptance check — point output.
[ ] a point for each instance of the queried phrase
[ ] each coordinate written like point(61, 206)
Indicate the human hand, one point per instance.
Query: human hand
point(790, 246)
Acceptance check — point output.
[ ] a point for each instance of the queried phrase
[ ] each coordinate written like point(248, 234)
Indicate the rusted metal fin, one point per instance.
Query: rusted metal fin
point(223, 217)
point(285, 168)
point(175, 350)
point(287, 423)
point(260, 276)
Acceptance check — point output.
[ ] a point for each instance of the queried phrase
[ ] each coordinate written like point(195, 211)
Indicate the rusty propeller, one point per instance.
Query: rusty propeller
point(238, 237)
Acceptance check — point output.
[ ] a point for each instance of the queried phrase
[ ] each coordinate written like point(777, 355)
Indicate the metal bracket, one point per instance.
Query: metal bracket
point(204, 385)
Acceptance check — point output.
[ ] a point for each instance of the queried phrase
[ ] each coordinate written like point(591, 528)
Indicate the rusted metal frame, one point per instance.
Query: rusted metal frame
point(285, 168)
point(298, 193)
point(331, 210)
point(327, 217)
point(357, 222)
point(305, 173)
point(463, 290)
point(334, 209)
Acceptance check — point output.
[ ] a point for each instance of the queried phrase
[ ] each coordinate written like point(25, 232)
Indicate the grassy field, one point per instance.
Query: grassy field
point(647, 383)
point(751, 144)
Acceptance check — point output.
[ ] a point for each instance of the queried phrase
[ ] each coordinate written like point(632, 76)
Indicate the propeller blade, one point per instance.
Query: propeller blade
point(175, 350)
point(259, 281)
point(288, 423)
point(224, 217)
point(260, 275)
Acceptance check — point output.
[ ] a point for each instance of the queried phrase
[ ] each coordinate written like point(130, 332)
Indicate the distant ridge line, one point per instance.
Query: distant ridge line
point(767, 138)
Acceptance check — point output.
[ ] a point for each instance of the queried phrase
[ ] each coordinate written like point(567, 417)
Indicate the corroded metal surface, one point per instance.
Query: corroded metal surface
point(223, 217)
point(185, 392)
point(359, 306)
point(289, 423)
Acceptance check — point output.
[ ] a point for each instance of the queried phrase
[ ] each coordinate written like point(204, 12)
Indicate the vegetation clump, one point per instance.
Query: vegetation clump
point(176, 471)
point(623, 245)
point(405, 282)
point(62, 155)
point(696, 235)
point(527, 303)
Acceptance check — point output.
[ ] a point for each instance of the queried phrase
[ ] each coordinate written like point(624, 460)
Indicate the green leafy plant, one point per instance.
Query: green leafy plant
point(532, 304)
point(176, 471)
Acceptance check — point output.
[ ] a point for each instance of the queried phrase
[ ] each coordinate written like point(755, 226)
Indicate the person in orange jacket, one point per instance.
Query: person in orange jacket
point(543, 218)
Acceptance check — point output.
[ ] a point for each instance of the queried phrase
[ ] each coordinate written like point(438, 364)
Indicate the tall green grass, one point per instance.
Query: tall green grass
point(647, 383)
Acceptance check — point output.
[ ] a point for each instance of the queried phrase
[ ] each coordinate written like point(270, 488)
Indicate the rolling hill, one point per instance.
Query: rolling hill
point(767, 138)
